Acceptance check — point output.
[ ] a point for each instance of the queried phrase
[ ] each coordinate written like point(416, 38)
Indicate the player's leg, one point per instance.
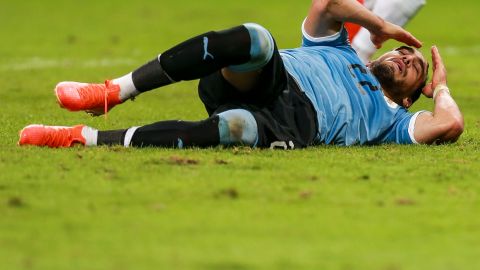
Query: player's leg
point(395, 11)
point(230, 127)
point(243, 49)
point(245, 76)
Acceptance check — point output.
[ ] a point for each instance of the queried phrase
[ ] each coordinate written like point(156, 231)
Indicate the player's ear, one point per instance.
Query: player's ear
point(368, 64)
point(407, 102)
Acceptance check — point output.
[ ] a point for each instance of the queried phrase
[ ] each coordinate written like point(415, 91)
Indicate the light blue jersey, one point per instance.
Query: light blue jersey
point(351, 107)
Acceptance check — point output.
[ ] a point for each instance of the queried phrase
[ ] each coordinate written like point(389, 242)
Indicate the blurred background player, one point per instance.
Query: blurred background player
point(398, 12)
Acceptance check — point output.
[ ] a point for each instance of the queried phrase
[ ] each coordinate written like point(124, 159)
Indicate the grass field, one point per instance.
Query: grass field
point(378, 208)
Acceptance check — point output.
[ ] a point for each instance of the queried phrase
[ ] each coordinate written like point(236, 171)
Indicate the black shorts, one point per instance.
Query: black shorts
point(285, 116)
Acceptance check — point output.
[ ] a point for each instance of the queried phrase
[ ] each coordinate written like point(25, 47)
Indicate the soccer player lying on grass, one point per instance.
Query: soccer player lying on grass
point(258, 96)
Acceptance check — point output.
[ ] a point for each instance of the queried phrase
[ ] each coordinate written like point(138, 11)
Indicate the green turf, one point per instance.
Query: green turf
point(377, 208)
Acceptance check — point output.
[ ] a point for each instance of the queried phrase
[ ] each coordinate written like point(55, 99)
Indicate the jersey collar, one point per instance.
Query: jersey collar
point(390, 102)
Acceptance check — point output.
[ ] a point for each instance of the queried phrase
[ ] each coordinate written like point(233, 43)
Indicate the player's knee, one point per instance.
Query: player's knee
point(237, 127)
point(261, 50)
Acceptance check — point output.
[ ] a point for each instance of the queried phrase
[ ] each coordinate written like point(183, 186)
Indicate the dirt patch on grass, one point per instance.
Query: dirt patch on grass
point(364, 177)
point(177, 160)
point(404, 201)
point(306, 194)
point(242, 150)
point(15, 202)
point(230, 193)
point(221, 162)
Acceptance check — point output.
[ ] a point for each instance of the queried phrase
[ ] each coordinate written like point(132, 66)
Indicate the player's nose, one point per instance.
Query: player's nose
point(407, 59)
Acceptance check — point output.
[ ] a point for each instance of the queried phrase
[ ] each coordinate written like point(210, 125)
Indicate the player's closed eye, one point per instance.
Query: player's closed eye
point(416, 64)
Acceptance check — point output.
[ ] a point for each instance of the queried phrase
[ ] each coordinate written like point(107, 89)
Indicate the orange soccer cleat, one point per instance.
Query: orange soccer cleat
point(51, 136)
point(95, 99)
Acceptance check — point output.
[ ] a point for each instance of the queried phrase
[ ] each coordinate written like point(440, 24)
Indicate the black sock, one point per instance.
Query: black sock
point(150, 76)
point(178, 134)
point(195, 58)
point(111, 137)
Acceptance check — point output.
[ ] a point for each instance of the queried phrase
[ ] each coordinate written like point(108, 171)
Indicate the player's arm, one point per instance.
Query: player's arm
point(325, 18)
point(445, 124)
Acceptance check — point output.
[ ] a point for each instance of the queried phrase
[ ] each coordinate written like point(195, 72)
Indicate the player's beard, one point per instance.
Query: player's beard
point(384, 74)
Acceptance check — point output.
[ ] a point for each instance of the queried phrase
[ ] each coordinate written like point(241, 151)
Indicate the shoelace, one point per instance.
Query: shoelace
point(91, 95)
point(56, 137)
point(105, 106)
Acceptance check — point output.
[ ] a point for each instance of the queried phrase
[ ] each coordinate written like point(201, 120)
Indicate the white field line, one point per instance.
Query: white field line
point(37, 63)
point(453, 50)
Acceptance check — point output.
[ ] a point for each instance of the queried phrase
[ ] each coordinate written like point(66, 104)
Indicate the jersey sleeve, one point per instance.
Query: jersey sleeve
point(335, 40)
point(404, 129)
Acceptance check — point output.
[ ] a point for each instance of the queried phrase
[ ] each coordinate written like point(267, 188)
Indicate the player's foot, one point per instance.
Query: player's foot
point(95, 99)
point(51, 136)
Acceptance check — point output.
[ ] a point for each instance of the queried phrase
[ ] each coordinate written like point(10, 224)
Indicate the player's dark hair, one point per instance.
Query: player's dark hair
point(416, 95)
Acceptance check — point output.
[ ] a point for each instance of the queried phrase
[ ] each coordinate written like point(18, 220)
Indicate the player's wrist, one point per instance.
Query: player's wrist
point(441, 88)
point(375, 24)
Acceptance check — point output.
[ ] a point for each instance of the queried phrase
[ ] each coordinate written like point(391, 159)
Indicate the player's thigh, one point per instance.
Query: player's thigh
point(290, 121)
point(261, 77)
point(242, 81)
point(224, 87)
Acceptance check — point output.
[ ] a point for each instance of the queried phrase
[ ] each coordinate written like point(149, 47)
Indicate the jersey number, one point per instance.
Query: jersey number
point(363, 71)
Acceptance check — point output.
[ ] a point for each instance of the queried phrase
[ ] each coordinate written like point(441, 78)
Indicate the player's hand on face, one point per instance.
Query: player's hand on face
point(439, 73)
point(392, 31)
